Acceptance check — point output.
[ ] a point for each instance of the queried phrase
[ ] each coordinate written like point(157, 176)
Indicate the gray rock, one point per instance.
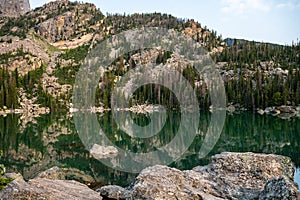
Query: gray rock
point(279, 188)
point(111, 191)
point(229, 176)
point(47, 189)
point(14, 176)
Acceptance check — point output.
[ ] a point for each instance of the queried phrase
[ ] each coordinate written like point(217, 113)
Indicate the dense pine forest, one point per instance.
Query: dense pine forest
point(263, 74)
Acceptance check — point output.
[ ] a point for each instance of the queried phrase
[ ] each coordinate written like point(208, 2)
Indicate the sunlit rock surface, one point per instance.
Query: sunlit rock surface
point(41, 188)
point(229, 176)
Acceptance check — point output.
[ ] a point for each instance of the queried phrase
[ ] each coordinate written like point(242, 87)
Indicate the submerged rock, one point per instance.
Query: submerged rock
point(229, 176)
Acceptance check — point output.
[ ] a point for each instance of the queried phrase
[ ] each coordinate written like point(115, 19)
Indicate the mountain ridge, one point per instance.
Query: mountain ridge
point(43, 50)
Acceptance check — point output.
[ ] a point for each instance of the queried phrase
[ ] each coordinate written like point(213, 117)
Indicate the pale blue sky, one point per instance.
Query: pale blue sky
point(261, 20)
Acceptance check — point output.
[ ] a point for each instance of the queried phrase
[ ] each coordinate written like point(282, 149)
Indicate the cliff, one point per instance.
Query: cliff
point(14, 8)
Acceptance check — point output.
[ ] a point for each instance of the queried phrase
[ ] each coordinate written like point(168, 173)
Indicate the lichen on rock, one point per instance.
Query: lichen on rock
point(228, 176)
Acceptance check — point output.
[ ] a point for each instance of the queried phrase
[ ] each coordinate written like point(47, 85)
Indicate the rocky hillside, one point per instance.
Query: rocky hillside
point(42, 50)
point(14, 8)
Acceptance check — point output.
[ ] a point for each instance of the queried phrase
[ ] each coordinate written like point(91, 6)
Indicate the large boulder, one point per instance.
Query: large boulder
point(41, 188)
point(229, 176)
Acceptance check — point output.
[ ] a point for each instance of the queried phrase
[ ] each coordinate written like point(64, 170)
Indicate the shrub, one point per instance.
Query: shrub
point(3, 181)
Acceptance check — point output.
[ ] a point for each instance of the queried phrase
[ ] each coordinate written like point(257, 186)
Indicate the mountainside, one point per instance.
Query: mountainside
point(42, 50)
point(14, 8)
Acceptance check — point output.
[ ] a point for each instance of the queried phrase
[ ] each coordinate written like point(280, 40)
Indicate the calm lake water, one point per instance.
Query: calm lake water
point(52, 140)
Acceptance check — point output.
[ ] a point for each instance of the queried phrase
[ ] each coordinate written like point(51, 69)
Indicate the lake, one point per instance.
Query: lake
point(52, 140)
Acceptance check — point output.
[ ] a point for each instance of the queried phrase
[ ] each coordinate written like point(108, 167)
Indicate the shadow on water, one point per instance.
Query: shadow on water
point(53, 141)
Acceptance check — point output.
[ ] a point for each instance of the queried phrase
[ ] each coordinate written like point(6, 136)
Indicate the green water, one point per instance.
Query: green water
point(52, 140)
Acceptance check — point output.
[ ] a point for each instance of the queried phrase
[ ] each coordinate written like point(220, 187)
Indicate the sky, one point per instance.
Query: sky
point(274, 21)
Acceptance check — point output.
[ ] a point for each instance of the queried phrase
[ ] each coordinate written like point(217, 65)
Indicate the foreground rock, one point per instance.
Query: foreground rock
point(41, 188)
point(229, 176)
point(56, 173)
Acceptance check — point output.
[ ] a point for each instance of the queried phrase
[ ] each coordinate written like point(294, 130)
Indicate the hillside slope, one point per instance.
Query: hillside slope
point(42, 50)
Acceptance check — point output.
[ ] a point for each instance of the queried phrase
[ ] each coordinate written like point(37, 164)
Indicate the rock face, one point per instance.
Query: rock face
point(229, 176)
point(14, 8)
point(71, 23)
point(41, 188)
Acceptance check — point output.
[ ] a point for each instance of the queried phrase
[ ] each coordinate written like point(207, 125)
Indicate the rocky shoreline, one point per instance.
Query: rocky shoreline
point(228, 176)
point(284, 112)
point(138, 109)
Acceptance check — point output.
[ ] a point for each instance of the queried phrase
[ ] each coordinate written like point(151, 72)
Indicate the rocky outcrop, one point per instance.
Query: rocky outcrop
point(49, 81)
point(14, 8)
point(69, 29)
point(195, 31)
point(29, 46)
point(283, 112)
point(229, 176)
point(41, 188)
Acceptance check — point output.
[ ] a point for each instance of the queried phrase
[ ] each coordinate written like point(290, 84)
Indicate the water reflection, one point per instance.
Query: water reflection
point(53, 141)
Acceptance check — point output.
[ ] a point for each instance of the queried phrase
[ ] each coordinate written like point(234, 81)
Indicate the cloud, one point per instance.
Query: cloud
point(244, 6)
point(291, 5)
